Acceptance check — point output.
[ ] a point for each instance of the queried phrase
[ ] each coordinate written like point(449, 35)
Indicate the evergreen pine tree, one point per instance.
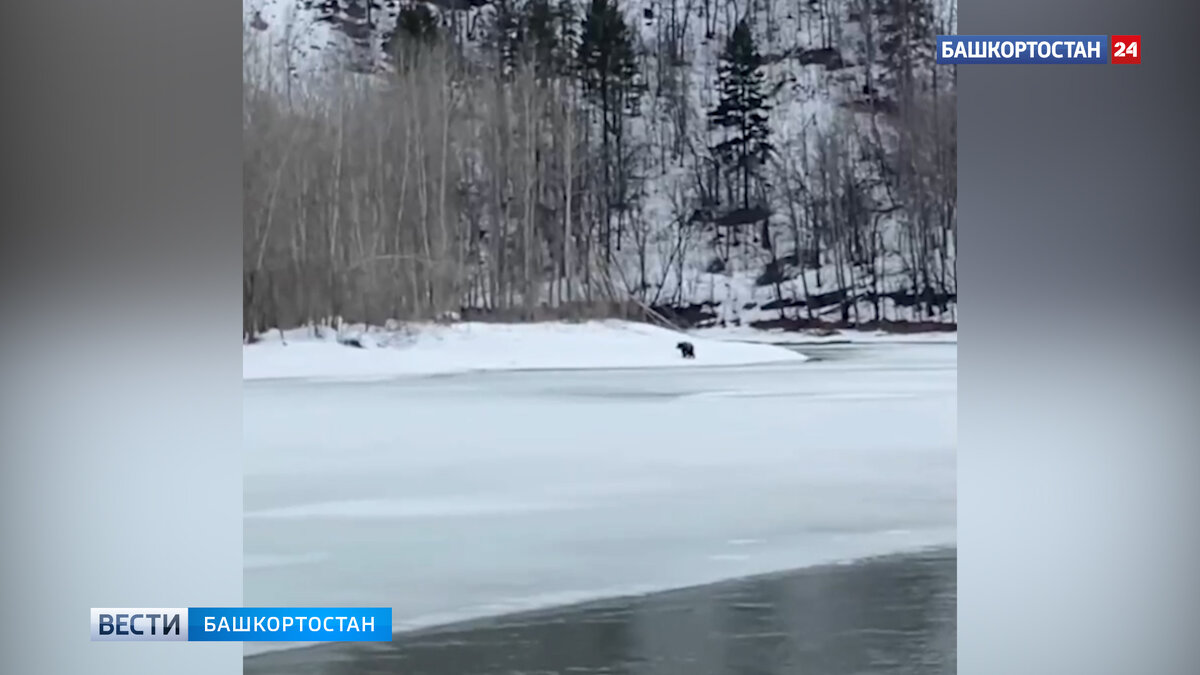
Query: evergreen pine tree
point(608, 71)
point(506, 36)
point(549, 36)
point(906, 43)
point(742, 108)
point(416, 29)
point(541, 30)
point(608, 68)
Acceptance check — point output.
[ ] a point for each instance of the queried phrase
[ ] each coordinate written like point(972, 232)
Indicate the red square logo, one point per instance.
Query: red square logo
point(1125, 49)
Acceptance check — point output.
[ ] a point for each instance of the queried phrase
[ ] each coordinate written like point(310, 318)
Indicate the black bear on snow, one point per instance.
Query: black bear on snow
point(687, 350)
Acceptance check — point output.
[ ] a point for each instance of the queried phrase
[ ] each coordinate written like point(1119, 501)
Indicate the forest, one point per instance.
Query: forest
point(782, 163)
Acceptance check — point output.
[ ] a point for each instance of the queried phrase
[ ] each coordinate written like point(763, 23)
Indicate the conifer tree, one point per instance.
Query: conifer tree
point(906, 43)
point(506, 36)
point(544, 27)
point(416, 29)
point(608, 71)
point(742, 109)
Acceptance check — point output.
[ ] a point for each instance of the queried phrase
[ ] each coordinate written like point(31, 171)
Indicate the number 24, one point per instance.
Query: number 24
point(1122, 50)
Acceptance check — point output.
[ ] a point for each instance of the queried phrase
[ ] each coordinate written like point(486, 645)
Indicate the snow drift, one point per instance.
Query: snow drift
point(431, 349)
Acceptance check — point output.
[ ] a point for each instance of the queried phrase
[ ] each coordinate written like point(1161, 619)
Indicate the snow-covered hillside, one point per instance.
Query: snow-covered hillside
point(860, 197)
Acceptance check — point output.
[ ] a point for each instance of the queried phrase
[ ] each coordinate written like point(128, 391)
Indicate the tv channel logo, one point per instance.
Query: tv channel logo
point(139, 624)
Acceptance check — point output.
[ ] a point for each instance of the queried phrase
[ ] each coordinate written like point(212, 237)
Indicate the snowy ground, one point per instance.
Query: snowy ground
point(463, 347)
point(480, 493)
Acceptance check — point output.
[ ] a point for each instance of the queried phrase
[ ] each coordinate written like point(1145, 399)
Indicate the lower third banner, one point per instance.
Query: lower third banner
point(241, 624)
point(289, 624)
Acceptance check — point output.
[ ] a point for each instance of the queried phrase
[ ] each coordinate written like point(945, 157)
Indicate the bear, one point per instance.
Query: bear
point(686, 350)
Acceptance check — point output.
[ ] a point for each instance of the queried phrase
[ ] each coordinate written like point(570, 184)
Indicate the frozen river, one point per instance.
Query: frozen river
point(459, 496)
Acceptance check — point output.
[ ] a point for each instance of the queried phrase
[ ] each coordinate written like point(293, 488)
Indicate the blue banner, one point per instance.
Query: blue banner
point(1022, 49)
point(289, 624)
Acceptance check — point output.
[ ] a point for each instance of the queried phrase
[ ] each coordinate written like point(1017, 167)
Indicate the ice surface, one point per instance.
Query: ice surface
point(436, 349)
point(465, 495)
point(786, 337)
